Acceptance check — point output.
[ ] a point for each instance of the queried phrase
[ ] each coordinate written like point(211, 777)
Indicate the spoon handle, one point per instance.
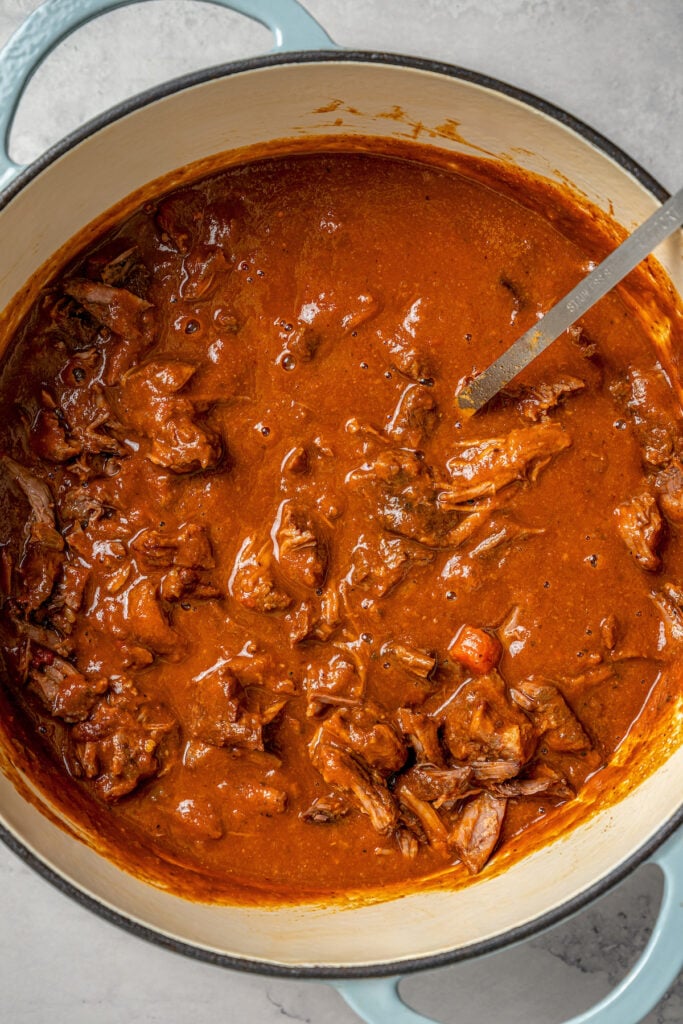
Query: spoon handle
point(562, 315)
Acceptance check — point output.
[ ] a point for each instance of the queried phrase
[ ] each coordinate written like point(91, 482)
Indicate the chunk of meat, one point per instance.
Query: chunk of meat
point(407, 842)
point(198, 818)
point(36, 491)
point(252, 582)
point(481, 724)
point(180, 583)
point(423, 735)
point(66, 599)
point(483, 468)
point(403, 345)
point(640, 527)
point(656, 416)
point(354, 427)
point(187, 555)
point(188, 547)
point(534, 780)
point(542, 779)
point(220, 716)
point(582, 342)
point(340, 769)
point(326, 809)
point(306, 624)
point(80, 369)
point(360, 311)
point(609, 631)
point(477, 831)
point(476, 649)
point(331, 615)
point(534, 401)
point(418, 663)
point(355, 750)
point(551, 715)
point(669, 485)
point(403, 489)
point(335, 682)
point(380, 565)
point(149, 401)
point(116, 308)
point(431, 824)
point(300, 623)
point(181, 445)
point(303, 343)
point(186, 219)
point(369, 735)
point(102, 543)
point(125, 740)
point(483, 541)
point(263, 671)
point(66, 693)
point(502, 533)
point(40, 637)
point(489, 772)
point(203, 270)
point(300, 547)
point(146, 621)
point(669, 600)
point(126, 269)
point(296, 462)
point(260, 798)
point(50, 437)
point(321, 316)
point(71, 325)
point(86, 416)
point(178, 219)
point(444, 787)
point(82, 505)
point(40, 565)
point(42, 554)
point(414, 418)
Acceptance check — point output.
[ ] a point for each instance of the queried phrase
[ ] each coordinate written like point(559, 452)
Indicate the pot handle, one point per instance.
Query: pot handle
point(292, 26)
point(378, 1001)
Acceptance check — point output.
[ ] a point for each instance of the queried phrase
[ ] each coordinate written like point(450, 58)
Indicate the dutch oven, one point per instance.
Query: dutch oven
point(308, 87)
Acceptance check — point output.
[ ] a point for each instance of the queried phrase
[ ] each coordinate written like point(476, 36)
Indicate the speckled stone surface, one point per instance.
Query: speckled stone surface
point(617, 65)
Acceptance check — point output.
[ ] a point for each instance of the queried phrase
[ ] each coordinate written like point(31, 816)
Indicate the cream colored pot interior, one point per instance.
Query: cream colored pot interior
point(299, 100)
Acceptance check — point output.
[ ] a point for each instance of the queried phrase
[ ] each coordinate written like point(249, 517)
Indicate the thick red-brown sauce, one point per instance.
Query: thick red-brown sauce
point(285, 310)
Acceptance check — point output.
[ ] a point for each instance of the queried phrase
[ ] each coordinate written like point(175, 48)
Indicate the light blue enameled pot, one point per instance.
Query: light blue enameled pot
point(362, 950)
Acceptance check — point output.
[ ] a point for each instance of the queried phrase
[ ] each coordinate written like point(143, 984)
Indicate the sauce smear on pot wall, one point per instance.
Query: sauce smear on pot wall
point(268, 606)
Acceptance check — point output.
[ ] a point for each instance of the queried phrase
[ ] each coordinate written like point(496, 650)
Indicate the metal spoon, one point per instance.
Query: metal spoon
point(562, 315)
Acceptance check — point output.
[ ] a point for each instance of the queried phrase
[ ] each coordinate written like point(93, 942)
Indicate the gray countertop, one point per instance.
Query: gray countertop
point(617, 65)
